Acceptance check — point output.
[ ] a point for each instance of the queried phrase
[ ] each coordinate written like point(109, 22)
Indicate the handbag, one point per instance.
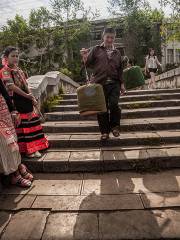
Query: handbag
point(133, 77)
point(91, 99)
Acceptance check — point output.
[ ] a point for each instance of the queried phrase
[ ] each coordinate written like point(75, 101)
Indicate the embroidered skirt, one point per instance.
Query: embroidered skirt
point(9, 151)
point(30, 134)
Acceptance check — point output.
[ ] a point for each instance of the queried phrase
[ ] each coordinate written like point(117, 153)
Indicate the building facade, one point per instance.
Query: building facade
point(171, 53)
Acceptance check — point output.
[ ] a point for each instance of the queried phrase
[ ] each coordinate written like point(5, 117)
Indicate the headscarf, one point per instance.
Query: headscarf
point(22, 76)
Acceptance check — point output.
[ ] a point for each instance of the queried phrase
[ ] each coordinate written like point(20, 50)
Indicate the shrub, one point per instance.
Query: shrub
point(66, 71)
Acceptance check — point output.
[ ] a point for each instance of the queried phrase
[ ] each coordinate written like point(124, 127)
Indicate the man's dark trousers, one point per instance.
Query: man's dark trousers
point(111, 119)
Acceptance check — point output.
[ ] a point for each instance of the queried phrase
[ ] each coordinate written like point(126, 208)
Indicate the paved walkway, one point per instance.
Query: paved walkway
point(117, 205)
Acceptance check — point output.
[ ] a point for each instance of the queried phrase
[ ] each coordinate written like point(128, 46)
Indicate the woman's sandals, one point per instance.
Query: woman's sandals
point(19, 181)
point(25, 173)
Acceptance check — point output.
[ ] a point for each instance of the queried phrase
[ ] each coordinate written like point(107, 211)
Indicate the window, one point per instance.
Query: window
point(170, 56)
point(177, 55)
point(119, 33)
point(97, 36)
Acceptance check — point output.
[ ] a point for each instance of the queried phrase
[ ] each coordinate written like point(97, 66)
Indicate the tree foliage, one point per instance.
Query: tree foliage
point(127, 7)
point(50, 39)
point(170, 29)
point(141, 27)
point(15, 33)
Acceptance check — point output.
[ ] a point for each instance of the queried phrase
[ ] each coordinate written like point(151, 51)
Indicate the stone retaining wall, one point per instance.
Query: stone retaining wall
point(170, 79)
point(44, 86)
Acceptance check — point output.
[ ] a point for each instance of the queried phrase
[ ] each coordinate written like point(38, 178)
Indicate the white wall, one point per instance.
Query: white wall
point(173, 45)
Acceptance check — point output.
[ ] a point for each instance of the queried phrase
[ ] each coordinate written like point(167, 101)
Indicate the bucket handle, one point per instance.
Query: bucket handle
point(87, 75)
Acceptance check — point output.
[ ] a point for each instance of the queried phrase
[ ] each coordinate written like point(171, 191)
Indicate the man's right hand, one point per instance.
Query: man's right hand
point(29, 96)
point(84, 54)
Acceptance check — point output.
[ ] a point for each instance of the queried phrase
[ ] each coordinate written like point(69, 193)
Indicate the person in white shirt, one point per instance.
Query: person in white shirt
point(151, 67)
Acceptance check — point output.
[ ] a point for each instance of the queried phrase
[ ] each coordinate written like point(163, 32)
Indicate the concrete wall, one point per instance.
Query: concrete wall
point(44, 86)
point(170, 79)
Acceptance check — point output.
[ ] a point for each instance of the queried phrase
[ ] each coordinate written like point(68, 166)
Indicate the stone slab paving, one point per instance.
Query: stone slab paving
point(111, 206)
point(91, 202)
point(56, 162)
point(4, 220)
point(140, 225)
point(161, 200)
point(51, 184)
point(16, 202)
point(67, 226)
point(26, 225)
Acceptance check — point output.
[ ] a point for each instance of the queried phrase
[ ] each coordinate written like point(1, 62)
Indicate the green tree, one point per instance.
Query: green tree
point(71, 17)
point(171, 25)
point(41, 30)
point(140, 27)
point(15, 33)
point(127, 7)
point(73, 23)
point(50, 39)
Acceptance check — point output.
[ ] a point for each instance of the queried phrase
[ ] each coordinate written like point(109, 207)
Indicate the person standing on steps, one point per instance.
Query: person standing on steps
point(31, 138)
point(10, 158)
point(151, 66)
point(106, 64)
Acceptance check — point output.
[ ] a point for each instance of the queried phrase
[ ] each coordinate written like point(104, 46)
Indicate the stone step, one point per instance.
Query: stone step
point(146, 124)
point(106, 159)
point(131, 98)
point(91, 140)
point(126, 114)
point(136, 92)
point(125, 105)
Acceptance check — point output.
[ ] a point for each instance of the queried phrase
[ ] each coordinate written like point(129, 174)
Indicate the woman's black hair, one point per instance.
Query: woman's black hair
point(131, 61)
point(8, 50)
point(151, 49)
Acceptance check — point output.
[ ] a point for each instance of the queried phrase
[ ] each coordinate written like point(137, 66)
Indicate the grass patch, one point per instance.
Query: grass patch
point(156, 98)
point(138, 105)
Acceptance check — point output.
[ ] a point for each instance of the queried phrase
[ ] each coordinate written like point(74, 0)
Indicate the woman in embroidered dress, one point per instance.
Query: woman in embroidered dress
point(10, 158)
point(31, 138)
point(151, 67)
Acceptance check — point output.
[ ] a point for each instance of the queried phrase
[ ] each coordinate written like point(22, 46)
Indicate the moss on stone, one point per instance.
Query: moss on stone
point(138, 105)
point(51, 102)
point(158, 97)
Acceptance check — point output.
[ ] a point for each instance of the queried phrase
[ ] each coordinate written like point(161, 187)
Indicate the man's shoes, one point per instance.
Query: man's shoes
point(104, 136)
point(116, 132)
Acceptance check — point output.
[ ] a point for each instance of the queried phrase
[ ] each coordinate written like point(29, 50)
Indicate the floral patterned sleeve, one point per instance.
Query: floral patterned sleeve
point(6, 77)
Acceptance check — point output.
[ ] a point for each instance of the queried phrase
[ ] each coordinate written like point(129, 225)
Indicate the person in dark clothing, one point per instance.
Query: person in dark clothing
point(105, 61)
point(6, 96)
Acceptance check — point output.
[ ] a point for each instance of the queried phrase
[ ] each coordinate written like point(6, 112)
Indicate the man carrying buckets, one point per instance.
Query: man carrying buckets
point(105, 61)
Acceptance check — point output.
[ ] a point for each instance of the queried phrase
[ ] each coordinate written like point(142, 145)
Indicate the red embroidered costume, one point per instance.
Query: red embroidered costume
point(30, 135)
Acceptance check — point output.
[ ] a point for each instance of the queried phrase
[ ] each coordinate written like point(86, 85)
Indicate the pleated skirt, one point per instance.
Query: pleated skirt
point(30, 134)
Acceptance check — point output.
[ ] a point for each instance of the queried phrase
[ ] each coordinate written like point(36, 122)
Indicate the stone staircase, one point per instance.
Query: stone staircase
point(115, 205)
point(150, 136)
